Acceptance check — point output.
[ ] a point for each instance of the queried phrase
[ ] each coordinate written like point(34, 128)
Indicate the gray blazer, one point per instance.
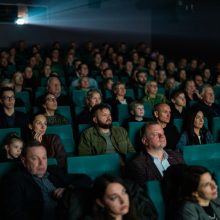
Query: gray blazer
point(193, 211)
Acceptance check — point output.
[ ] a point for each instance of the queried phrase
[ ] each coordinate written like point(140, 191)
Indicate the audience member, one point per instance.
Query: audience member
point(102, 137)
point(119, 97)
point(152, 96)
point(54, 87)
point(198, 197)
point(12, 148)
point(194, 132)
point(34, 191)
point(9, 117)
point(49, 109)
point(178, 105)
point(153, 160)
point(207, 104)
point(93, 97)
point(162, 114)
point(52, 142)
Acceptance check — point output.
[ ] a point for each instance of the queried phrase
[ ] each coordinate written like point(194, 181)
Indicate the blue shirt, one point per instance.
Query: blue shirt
point(163, 164)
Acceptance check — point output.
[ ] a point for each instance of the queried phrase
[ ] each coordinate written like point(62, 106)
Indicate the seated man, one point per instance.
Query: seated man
point(102, 137)
point(207, 105)
point(178, 105)
point(153, 160)
point(34, 191)
point(9, 117)
point(54, 87)
point(162, 114)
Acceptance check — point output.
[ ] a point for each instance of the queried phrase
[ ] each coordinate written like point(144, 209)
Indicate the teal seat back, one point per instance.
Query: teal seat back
point(201, 152)
point(148, 110)
point(4, 132)
point(155, 193)
point(216, 128)
point(21, 109)
point(123, 113)
point(130, 93)
point(78, 97)
point(217, 92)
point(134, 132)
point(51, 161)
point(94, 165)
point(6, 167)
point(65, 132)
point(25, 97)
point(78, 110)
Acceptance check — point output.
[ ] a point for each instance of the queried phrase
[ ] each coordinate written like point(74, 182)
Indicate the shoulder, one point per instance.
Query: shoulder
point(175, 156)
point(118, 130)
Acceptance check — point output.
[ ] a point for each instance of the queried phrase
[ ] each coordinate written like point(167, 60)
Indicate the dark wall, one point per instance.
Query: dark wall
point(81, 20)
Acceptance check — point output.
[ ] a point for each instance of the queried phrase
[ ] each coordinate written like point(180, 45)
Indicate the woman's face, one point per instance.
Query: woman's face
point(207, 189)
point(50, 103)
point(39, 125)
point(199, 120)
point(116, 200)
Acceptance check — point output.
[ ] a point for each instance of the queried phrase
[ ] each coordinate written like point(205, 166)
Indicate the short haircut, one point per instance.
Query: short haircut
point(156, 108)
point(176, 93)
point(205, 87)
point(52, 78)
point(30, 145)
point(145, 127)
point(5, 89)
point(134, 104)
point(90, 93)
point(115, 85)
point(100, 106)
point(140, 71)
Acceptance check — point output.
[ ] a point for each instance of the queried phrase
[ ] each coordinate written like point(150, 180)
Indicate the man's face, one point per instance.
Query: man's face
point(209, 96)
point(142, 78)
point(120, 90)
point(103, 118)
point(108, 73)
point(154, 138)
point(35, 161)
point(8, 99)
point(163, 114)
point(54, 87)
point(198, 80)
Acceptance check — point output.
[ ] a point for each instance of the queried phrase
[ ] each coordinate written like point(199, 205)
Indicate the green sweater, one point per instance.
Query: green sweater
point(93, 143)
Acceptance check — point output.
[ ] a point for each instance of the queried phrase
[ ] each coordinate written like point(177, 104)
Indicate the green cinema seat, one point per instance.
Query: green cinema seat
point(95, 165)
point(155, 193)
point(4, 132)
point(65, 132)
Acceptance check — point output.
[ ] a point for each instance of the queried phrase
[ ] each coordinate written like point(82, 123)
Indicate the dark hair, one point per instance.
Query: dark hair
point(191, 180)
point(99, 188)
point(5, 89)
point(30, 145)
point(146, 126)
point(176, 93)
point(189, 122)
point(100, 106)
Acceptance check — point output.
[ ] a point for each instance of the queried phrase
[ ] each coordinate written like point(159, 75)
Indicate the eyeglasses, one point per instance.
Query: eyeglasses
point(8, 97)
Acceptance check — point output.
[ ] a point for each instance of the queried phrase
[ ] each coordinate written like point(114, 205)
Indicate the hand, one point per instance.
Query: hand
point(58, 193)
point(38, 137)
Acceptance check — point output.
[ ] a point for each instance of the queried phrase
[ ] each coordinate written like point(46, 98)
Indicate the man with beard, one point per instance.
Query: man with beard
point(102, 137)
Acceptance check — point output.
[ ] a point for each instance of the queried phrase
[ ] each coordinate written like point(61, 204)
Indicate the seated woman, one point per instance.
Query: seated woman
point(194, 132)
point(152, 96)
point(83, 83)
point(112, 199)
point(198, 196)
point(119, 97)
point(52, 142)
point(49, 109)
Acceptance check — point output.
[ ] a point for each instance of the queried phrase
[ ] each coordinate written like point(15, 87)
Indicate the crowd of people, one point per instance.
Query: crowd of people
point(169, 89)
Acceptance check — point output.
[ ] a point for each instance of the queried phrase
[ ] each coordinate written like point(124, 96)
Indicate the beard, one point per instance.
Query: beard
point(104, 125)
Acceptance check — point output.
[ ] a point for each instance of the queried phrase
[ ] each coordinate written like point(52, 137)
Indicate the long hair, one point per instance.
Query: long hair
point(100, 185)
point(189, 125)
point(190, 184)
